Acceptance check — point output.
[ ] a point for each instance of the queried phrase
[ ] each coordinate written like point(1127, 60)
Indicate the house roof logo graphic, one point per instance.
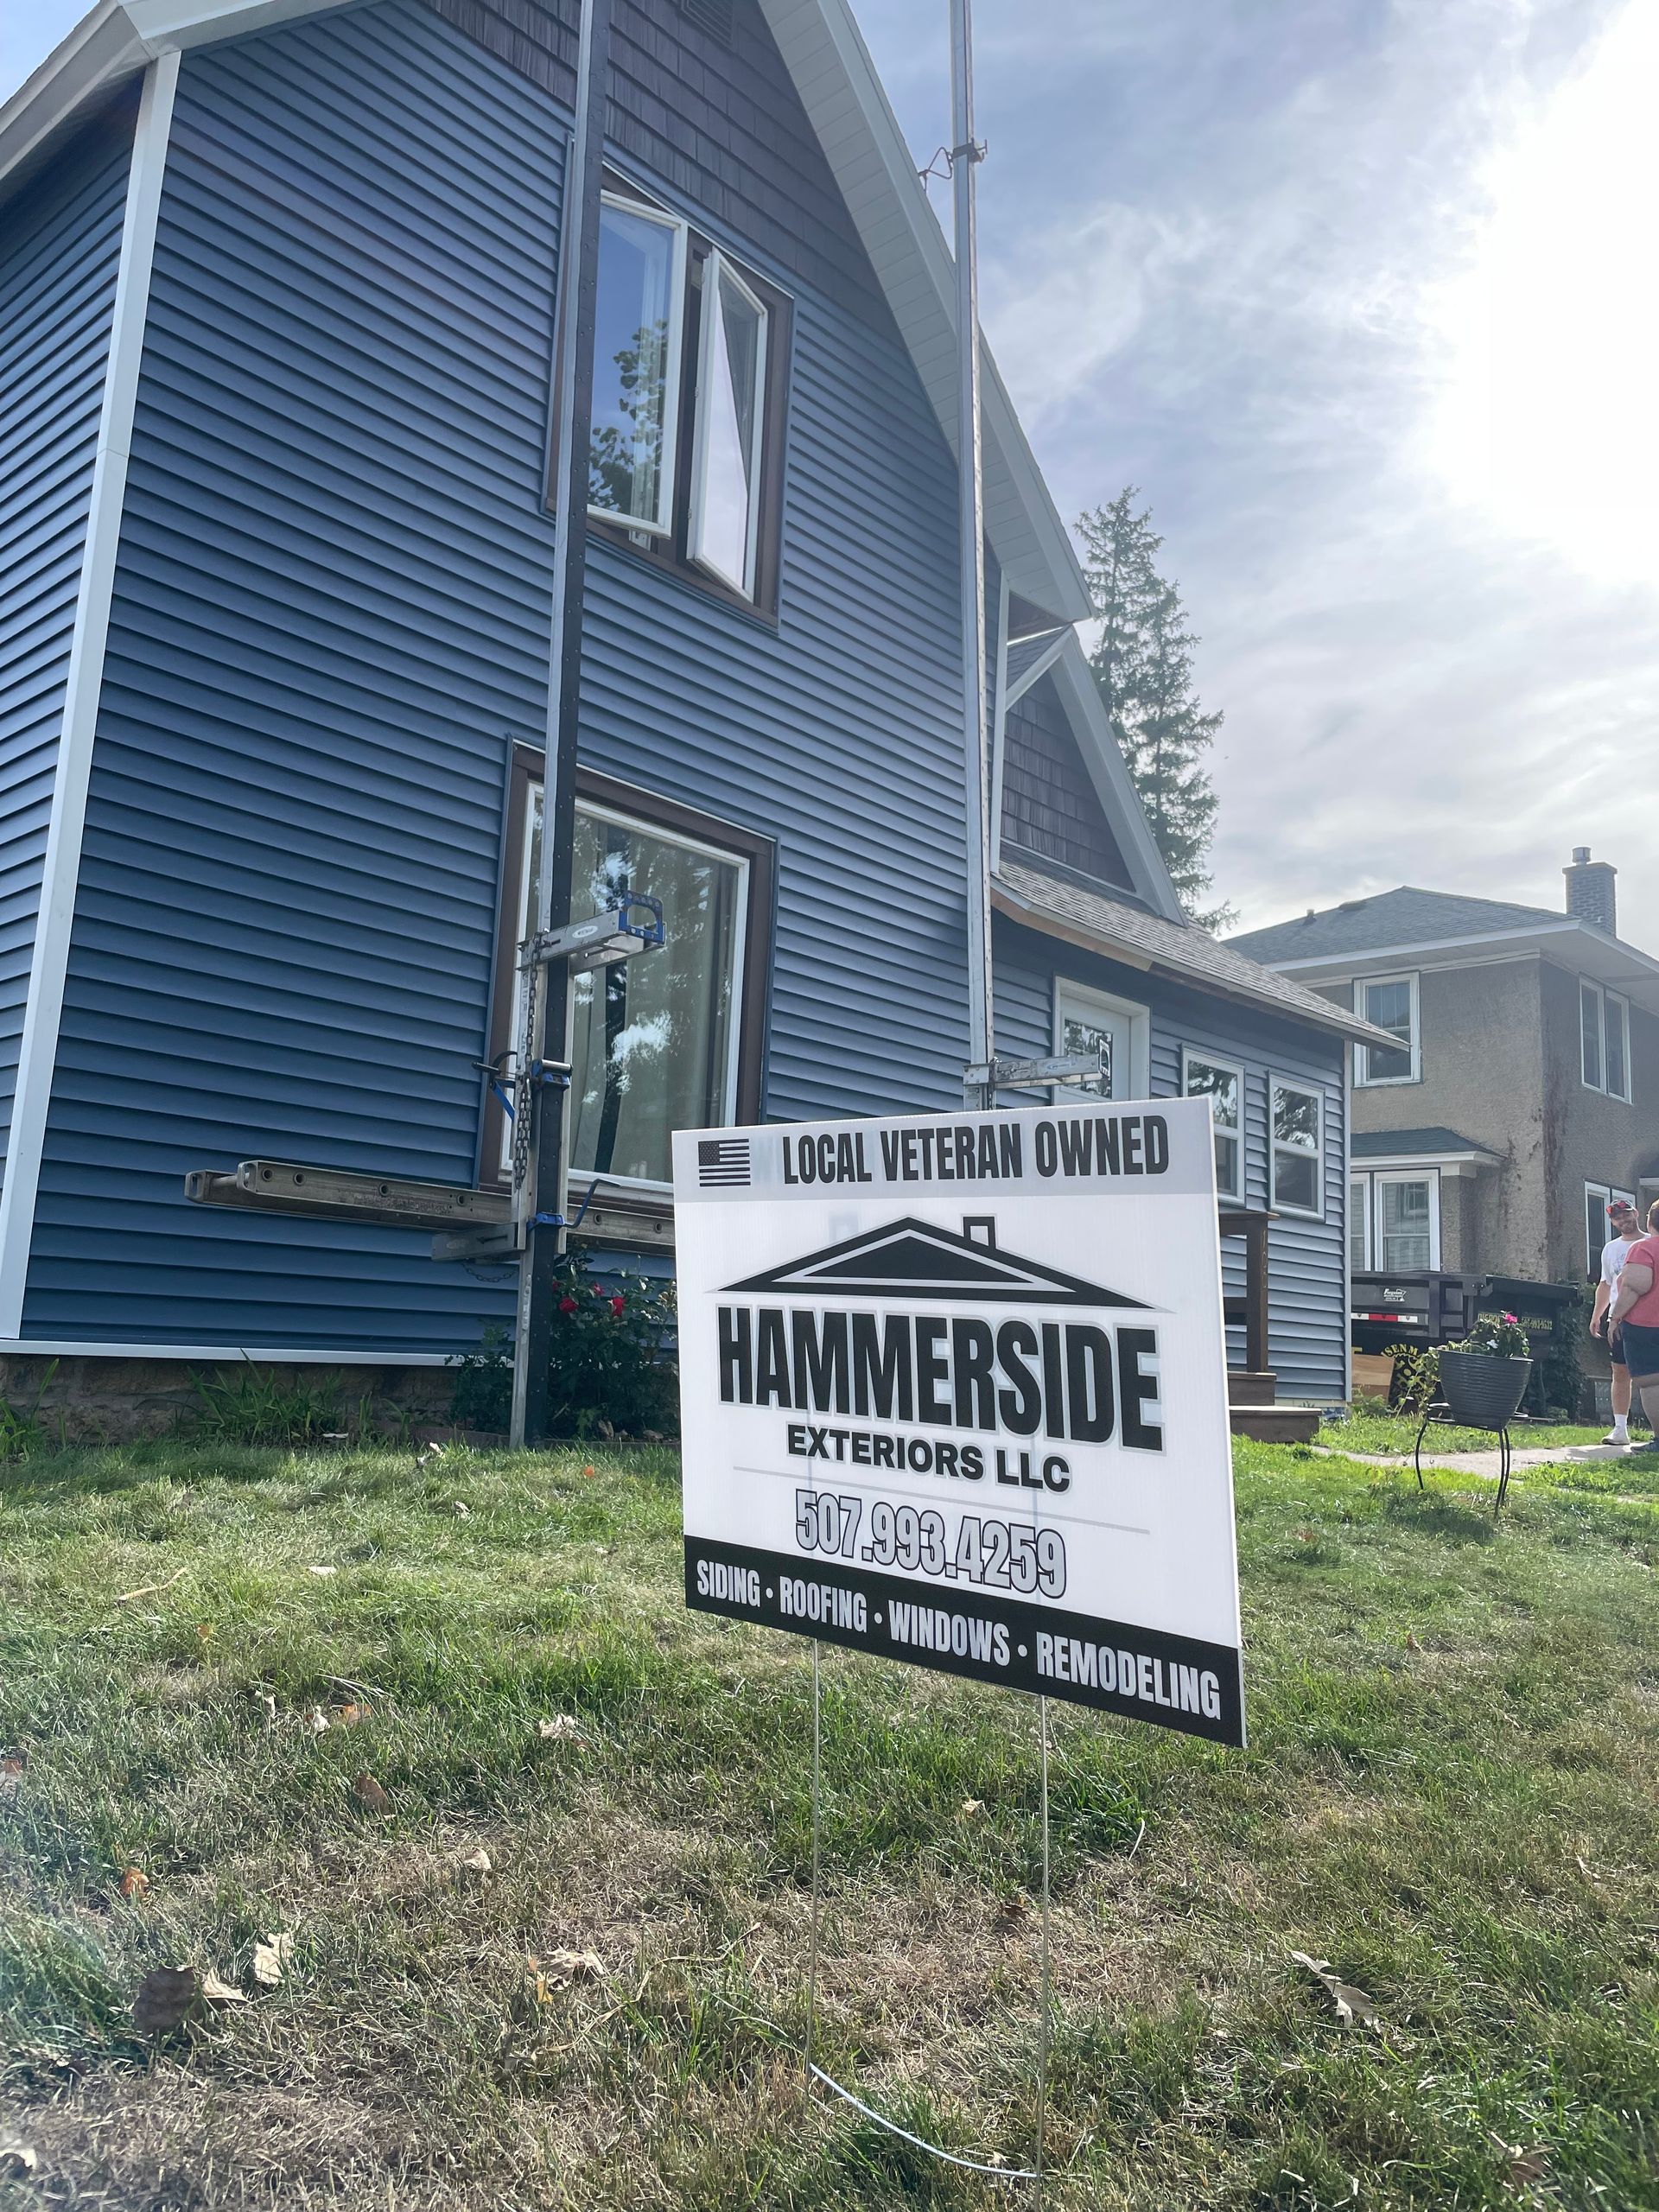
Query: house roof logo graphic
point(913, 1259)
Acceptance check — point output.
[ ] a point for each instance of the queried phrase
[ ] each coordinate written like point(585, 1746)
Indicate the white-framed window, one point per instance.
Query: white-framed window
point(1296, 1133)
point(640, 319)
point(1604, 1040)
point(1390, 1002)
point(725, 519)
point(655, 1039)
point(1359, 1224)
point(1204, 1076)
point(1598, 1229)
point(1087, 1020)
point(1407, 1222)
point(690, 356)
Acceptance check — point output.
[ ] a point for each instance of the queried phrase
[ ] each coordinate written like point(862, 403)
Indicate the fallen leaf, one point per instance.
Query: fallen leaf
point(351, 1716)
point(562, 1728)
point(1529, 2166)
point(167, 1996)
point(17, 2158)
point(477, 1865)
point(1307, 1535)
point(134, 1881)
point(271, 1955)
point(322, 1570)
point(972, 1808)
point(318, 1723)
point(1353, 2005)
point(431, 1450)
point(11, 1770)
point(1411, 1644)
point(588, 1471)
point(268, 1702)
point(462, 1509)
point(367, 1791)
point(563, 1967)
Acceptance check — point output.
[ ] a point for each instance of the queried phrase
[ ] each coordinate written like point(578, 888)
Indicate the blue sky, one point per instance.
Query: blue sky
point(1344, 286)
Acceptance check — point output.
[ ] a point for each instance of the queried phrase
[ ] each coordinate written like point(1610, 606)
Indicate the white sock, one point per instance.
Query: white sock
point(1621, 1428)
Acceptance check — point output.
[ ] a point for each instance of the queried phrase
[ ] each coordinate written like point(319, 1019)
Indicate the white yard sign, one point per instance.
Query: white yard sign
point(953, 1391)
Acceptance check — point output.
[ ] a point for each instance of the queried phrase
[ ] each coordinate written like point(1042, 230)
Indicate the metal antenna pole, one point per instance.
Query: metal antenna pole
point(544, 1088)
point(965, 157)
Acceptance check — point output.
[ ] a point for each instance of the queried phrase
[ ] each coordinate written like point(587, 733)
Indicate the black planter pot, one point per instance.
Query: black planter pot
point(1480, 1390)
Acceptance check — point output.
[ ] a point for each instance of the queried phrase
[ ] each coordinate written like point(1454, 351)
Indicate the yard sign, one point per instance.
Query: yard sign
point(953, 1391)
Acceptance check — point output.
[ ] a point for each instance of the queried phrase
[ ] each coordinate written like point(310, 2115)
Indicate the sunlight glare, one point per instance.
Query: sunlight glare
point(1551, 420)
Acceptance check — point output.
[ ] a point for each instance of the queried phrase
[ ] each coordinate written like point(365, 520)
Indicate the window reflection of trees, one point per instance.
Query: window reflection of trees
point(625, 452)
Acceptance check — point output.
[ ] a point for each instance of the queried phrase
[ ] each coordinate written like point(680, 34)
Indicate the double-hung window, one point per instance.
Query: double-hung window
point(667, 1040)
point(1297, 1143)
point(1393, 1222)
point(1223, 1084)
point(1388, 1002)
point(1604, 1040)
point(686, 460)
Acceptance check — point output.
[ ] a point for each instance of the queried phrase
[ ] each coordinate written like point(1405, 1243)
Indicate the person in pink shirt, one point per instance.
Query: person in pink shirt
point(1635, 1315)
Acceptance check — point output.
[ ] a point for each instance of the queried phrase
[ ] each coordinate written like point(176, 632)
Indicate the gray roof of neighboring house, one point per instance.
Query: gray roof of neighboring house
point(1386, 1144)
point(1406, 916)
point(1034, 896)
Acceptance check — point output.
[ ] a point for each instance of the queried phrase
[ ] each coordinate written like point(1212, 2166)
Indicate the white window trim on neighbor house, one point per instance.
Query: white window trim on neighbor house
point(1276, 1084)
point(1192, 1057)
point(1365, 1237)
point(1363, 1079)
point(1601, 1195)
point(1083, 1003)
point(1600, 1008)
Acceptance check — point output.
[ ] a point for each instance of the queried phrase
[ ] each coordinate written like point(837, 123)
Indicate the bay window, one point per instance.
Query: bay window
point(1296, 1130)
point(667, 1040)
point(690, 357)
point(1223, 1084)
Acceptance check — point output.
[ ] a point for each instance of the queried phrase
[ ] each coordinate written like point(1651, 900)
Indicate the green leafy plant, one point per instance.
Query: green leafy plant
point(1416, 1378)
point(1496, 1336)
point(482, 1396)
point(253, 1405)
point(612, 1370)
point(22, 1431)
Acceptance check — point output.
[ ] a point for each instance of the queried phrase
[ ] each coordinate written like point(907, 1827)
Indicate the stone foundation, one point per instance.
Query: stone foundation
point(94, 1400)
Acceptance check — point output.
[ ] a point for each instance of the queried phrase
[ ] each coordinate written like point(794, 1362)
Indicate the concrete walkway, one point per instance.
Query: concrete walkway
point(1489, 1464)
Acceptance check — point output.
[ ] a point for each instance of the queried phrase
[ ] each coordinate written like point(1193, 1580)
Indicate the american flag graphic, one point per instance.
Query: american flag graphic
point(723, 1163)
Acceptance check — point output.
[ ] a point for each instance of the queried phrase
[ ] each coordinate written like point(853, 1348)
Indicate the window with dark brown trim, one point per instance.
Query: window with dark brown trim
point(690, 385)
point(668, 1040)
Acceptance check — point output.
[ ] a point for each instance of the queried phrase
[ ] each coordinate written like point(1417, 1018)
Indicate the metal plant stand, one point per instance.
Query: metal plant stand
point(1443, 1417)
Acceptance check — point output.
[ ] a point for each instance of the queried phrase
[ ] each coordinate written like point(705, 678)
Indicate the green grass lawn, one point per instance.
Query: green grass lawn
point(1452, 1794)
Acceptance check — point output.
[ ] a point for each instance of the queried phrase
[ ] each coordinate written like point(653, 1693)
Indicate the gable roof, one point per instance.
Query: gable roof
point(1122, 931)
point(1403, 916)
point(833, 74)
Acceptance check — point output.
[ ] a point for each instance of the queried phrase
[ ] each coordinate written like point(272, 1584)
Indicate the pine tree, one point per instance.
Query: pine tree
point(1143, 665)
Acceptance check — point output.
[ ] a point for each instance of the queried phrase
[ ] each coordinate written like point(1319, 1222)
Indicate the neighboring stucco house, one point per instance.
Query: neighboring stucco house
point(1521, 1094)
point(277, 290)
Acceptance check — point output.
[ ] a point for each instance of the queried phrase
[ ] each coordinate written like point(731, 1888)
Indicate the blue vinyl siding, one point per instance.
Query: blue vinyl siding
point(331, 619)
point(1307, 1306)
point(60, 247)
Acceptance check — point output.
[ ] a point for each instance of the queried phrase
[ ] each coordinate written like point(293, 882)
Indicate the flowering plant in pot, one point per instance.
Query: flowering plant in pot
point(1483, 1378)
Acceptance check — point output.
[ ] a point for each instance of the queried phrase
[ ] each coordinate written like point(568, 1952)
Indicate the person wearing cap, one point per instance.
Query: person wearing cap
point(1625, 1224)
point(1635, 1315)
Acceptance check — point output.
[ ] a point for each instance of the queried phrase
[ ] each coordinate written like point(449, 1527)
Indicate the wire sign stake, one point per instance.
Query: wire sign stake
point(953, 1392)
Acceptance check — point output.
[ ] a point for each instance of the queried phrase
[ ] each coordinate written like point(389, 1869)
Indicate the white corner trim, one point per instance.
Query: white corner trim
point(999, 716)
point(43, 1012)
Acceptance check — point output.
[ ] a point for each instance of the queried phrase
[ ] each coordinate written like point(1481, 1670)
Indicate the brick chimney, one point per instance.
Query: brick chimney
point(1590, 893)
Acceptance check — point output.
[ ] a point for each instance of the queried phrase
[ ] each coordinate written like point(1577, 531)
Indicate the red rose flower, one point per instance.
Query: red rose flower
point(567, 1304)
point(617, 1304)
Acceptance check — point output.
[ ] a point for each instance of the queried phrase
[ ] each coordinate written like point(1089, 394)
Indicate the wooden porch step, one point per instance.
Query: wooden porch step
point(1248, 1387)
point(1275, 1424)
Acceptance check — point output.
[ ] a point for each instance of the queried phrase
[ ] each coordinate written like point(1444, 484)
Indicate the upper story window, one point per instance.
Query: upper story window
point(690, 353)
point(1391, 1002)
point(667, 1041)
point(1296, 1124)
point(1604, 1040)
point(1223, 1084)
point(1088, 1020)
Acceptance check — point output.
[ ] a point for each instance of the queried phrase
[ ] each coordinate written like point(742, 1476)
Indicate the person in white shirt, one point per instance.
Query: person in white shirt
point(1623, 1220)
